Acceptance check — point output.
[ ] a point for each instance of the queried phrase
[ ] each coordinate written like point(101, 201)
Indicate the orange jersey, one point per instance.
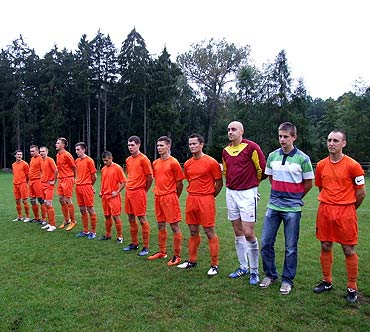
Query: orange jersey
point(166, 174)
point(20, 172)
point(85, 168)
point(111, 177)
point(65, 164)
point(48, 168)
point(339, 181)
point(35, 168)
point(201, 174)
point(138, 168)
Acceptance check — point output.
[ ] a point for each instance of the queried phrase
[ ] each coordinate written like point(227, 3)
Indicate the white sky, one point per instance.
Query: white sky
point(326, 41)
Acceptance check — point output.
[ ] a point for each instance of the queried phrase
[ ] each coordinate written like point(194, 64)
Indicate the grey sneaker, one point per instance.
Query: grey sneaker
point(267, 282)
point(254, 278)
point(285, 288)
point(144, 252)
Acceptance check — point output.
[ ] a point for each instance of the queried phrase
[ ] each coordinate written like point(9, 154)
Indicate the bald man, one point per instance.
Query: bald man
point(243, 165)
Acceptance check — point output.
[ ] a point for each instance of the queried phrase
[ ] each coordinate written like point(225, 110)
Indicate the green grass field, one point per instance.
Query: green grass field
point(57, 282)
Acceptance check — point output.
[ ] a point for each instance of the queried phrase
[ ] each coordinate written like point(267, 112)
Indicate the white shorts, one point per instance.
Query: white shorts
point(242, 204)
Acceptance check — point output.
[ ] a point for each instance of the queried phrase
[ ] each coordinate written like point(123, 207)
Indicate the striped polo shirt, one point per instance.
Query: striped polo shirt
point(288, 172)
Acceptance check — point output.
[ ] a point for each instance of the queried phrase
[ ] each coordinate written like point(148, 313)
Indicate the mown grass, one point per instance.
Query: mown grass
point(57, 282)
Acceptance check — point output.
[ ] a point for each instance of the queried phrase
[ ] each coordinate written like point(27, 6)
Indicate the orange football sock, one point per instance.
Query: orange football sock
point(162, 241)
point(352, 270)
point(177, 239)
point(133, 232)
point(108, 226)
point(214, 245)
point(145, 229)
point(326, 259)
point(194, 242)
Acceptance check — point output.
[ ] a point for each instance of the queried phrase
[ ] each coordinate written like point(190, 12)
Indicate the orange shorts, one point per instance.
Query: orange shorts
point(337, 223)
point(47, 191)
point(20, 191)
point(135, 202)
point(112, 206)
point(201, 210)
point(65, 187)
point(167, 208)
point(85, 195)
point(35, 188)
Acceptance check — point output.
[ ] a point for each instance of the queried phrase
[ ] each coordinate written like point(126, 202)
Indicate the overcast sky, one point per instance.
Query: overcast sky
point(326, 41)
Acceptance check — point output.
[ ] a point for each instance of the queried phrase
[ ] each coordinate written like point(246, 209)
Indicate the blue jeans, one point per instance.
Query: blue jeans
point(270, 228)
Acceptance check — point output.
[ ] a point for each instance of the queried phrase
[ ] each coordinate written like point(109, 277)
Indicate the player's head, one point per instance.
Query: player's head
point(196, 143)
point(336, 142)
point(80, 149)
point(164, 145)
point(235, 131)
point(133, 144)
point(290, 127)
point(287, 135)
point(43, 152)
point(34, 150)
point(18, 154)
point(61, 143)
point(107, 158)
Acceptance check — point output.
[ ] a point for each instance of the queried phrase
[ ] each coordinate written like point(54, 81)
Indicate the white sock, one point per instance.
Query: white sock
point(241, 251)
point(253, 252)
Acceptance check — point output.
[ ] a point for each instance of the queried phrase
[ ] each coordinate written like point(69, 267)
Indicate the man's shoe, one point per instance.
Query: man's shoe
point(65, 224)
point(158, 255)
point(104, 238)
point(285, 288)
point(119, 240)
point(144, 252)
point(51, 229)
point(187, 265)
point(91, 236)
point(18, 219)
point(130, 247)
point(174, 261)
point(43, 222)
point(82, 234)
point(323, 286)
point(238, 273)
point(27, 220)
point(351, 295)
point(254, 278)
point(267, 282)
point(71, 226)
point(45, 226)
point(213, 270)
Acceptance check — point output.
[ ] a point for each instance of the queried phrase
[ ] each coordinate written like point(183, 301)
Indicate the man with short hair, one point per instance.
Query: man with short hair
point(243, 164)
point(35, 188)
point(66, 179)
point(341, 184)
point(49, 173)
point(204, 176)
point(168, 177)
point(140, 178)
point(290, 173)
point(20, 186)
point(113, 181)
point(85, 179)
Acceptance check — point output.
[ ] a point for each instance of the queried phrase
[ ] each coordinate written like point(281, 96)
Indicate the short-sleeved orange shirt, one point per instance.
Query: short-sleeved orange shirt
point(339, 181)
point(65, 164)
point(138, 168)
point(84, 168)
point(35, 168)
point(20, 172)
point(166, 174)
point(201, 174)
point(48, 168)
point(111, 177)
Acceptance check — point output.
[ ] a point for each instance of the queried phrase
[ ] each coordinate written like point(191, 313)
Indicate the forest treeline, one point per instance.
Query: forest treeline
point(101, 95)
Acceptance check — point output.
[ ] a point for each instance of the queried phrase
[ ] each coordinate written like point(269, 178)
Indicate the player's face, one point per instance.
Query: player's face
point(335, 142)
point(133, 148)
point(33, 152)
point(286, 140)
point(59, 145)
point(162, 148)
point(107, 161)
point(194, 146)
point(234, 132)
point(43, 153)
point(18, 156)
point(80, 151)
